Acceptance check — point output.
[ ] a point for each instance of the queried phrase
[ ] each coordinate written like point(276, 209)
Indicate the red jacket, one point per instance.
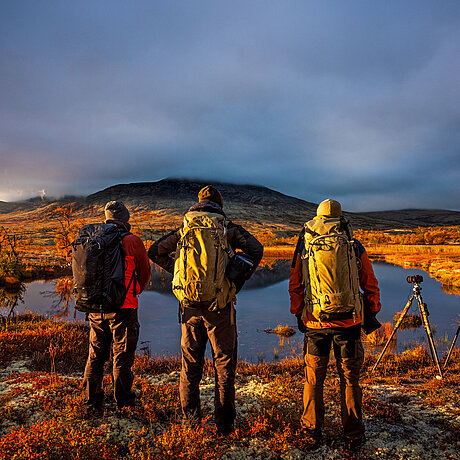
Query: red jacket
point(135, 260)
point(367, 281)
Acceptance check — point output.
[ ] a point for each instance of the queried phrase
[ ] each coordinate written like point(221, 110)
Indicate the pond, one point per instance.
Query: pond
point(262, 304)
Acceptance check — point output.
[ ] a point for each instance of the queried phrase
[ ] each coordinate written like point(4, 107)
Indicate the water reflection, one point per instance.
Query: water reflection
point(62, 300)
point(262, 304)
point(10, 297)
point(268, 273)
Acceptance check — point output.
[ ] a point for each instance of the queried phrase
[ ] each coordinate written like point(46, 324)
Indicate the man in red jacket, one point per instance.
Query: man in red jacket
point(343, 335)
point(120, 330)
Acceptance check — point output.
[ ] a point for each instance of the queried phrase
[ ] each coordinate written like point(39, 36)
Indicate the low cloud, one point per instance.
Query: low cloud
point(352, 100)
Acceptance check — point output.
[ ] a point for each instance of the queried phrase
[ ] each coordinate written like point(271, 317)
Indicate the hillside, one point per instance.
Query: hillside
point(252, 203)
point(258, 207)
point(418, 217)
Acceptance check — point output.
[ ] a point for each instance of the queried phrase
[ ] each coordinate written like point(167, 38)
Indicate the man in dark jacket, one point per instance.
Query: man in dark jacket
point(120, 330)
point(199, 325)
point(343, 335)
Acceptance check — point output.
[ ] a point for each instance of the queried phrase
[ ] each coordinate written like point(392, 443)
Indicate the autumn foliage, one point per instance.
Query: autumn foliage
point(41, 414)
point(420, 235)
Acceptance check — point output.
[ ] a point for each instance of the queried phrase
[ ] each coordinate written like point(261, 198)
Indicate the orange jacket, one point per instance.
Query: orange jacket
point(367, 281)
point(137, 267)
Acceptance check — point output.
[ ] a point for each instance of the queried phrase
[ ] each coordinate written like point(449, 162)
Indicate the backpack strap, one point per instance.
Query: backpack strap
point(298, 247)
point(133, 279)
point(345, 226)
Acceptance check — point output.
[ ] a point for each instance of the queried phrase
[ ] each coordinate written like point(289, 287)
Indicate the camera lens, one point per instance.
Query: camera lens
point(414, 279)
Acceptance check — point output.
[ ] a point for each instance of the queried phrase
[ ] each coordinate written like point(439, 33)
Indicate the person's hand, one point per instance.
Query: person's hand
point(370, 323)
point(300, 324)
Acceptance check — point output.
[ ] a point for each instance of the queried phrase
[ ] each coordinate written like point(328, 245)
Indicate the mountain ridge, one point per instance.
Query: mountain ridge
point(247, 203)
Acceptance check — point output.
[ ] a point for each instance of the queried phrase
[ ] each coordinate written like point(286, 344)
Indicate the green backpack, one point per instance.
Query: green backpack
point(330, 271)
point(202, 256)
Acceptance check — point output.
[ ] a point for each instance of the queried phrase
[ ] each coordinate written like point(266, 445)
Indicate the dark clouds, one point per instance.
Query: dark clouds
point(355, 100)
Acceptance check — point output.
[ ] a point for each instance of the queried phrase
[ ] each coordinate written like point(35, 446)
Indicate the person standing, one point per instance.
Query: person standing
point(214, 319)
point(328, 270)
point(117, 330)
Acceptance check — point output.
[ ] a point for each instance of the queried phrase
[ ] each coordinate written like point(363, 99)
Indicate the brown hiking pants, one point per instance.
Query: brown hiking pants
point(119, 331)
point(349, 355)
point(199, 325)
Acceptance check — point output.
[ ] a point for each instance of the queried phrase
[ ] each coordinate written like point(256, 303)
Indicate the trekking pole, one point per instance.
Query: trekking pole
point(406, 309)
point(451, 347)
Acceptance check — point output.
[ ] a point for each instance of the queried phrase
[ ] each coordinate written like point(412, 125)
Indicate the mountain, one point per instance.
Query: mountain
point(418, 217)
point(167, 200)
point(248, 203)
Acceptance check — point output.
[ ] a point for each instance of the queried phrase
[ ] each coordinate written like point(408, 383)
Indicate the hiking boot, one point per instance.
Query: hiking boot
point(92, 412)
point(313, 439)
point(355, 444)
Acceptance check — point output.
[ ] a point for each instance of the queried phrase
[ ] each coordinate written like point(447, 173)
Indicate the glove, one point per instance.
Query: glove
point(370, 322)
point(300, 324)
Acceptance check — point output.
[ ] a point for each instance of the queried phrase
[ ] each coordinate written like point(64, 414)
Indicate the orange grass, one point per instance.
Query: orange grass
point(379, 336)
point(409, 321)
point(52, 439)
point(48, 343)
point(62, 432)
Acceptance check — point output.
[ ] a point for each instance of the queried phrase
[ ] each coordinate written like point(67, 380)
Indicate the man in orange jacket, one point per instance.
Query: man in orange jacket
point(343, 335)
point(118, 330)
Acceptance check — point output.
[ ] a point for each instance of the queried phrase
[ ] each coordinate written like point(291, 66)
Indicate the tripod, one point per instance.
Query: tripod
point(451, 348)
point(423, 314)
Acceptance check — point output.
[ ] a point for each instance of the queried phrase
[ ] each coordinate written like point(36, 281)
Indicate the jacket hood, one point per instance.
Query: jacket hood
point(122, 225)
point(207, 206)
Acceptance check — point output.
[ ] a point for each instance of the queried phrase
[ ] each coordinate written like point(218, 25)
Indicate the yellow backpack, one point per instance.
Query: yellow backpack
point(330, 271)
point(202, 256)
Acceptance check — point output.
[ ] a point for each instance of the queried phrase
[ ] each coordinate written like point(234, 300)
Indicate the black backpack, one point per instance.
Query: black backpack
point(98, 269)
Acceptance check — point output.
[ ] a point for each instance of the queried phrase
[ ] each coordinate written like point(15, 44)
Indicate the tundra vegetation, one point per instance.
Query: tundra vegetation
point(408, 413)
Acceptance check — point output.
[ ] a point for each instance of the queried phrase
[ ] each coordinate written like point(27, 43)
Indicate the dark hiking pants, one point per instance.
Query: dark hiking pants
point(199, 325)
point(349, 355)
point(119, 331)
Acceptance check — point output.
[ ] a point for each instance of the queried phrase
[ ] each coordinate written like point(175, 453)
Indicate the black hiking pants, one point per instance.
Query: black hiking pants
point(198, 326)
point(349, 355)
point(119, 331)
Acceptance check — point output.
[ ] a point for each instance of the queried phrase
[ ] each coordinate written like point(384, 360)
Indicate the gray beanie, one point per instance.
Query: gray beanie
point(116, 210)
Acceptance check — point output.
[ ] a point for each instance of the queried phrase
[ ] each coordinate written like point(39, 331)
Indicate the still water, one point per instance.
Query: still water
point(263, 304)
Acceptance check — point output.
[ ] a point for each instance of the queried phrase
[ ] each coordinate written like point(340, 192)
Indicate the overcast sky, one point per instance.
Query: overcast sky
point(355, 100)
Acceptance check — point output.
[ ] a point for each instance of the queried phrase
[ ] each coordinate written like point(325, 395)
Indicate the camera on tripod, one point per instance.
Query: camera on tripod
point(416, 279)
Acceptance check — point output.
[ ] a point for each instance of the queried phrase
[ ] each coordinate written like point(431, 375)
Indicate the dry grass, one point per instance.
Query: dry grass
point(380, 336)
point(441, 261)
point(282, 331)
point(409, 321)
point(41, 415)
point(48, 343)
point(279, 252)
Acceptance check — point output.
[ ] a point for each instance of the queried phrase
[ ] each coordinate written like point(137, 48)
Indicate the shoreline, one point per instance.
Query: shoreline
point(442, 262)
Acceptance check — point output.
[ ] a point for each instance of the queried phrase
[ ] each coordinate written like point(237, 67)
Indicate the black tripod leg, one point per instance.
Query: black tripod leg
point(451, 348)
point(426, 324)
point(406, 309)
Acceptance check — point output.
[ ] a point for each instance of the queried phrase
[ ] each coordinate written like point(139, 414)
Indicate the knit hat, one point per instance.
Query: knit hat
point(329, 208)
point(209, 193)
point(116, 210)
